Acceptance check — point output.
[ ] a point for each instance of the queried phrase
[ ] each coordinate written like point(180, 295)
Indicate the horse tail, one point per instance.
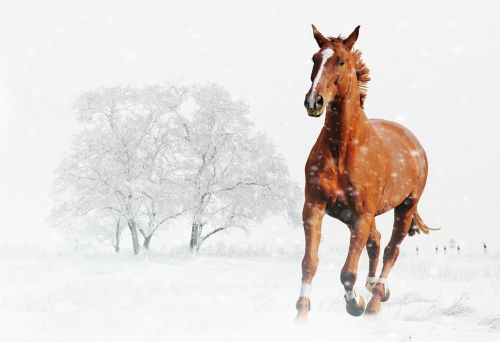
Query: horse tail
point(418, 225)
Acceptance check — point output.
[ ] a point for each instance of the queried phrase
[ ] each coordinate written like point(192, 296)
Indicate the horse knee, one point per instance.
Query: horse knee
point(348, 278)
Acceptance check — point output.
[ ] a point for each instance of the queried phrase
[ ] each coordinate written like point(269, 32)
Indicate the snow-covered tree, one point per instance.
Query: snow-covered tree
point(119, 163)
point(234, 176)
point(148, 155)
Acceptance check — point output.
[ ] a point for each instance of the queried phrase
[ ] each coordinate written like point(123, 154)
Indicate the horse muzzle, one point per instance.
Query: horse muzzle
point(316, 113)
point(314, 105)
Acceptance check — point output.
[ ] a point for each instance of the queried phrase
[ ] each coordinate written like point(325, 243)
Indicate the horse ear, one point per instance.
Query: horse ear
point(320, 39)
point(349, 41)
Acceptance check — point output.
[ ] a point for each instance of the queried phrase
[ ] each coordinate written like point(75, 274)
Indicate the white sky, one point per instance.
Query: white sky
point(433, 68)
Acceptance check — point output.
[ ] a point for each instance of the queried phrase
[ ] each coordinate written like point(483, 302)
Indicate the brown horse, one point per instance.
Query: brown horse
point(357, 169)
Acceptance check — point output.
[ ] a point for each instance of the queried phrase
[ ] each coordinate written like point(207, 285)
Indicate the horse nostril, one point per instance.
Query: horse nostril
point(319, 102)
point(306, 103)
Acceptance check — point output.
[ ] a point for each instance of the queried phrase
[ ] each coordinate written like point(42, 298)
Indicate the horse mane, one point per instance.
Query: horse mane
point(362, 72)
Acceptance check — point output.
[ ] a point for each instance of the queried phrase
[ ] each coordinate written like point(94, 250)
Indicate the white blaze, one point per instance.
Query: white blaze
point(326, 54)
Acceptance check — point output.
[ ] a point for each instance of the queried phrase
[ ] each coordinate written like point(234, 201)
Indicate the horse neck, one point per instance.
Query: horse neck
point(344, 123)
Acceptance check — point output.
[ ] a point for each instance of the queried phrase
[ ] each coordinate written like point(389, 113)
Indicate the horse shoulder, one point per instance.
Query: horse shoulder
point(368, 164)
point(320, 173)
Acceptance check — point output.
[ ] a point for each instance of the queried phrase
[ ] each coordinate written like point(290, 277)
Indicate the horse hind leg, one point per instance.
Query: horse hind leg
point(373, 250)
point(403, 215)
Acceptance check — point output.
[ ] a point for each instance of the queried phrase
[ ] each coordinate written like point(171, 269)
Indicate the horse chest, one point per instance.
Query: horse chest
point(345, 205)
point(343, 189)
point(341, 196)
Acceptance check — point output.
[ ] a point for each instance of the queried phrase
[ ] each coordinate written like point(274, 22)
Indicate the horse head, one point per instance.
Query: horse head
point(333, 70)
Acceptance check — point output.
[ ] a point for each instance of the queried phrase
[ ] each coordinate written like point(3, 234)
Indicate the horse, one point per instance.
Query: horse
point(356, 170)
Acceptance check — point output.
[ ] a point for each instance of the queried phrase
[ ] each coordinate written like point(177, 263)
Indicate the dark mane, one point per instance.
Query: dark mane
point(362, 72)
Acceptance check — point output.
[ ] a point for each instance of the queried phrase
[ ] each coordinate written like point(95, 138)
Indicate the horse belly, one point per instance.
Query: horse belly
point(401, 180)
point(395, 192)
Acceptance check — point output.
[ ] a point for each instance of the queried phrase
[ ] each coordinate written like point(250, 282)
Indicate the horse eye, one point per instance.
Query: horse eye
point(341, 62)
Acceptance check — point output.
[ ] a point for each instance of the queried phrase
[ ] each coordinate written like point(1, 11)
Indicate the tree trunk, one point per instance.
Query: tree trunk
point(118, 233)
point(147, 241)
point(196, 241)
point(197, 225)
point(133, 232)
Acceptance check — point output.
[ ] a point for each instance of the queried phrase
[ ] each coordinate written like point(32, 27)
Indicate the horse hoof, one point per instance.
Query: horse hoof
point(386, 295)
point(355, 309)
point(381, 291)
point(303, 307)
point(373, 306)
point(370, 284)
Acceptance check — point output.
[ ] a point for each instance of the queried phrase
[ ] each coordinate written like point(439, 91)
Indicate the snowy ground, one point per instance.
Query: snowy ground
point(159, 297)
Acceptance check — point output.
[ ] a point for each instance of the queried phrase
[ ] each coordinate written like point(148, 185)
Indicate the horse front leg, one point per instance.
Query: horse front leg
point(360, 231)
point(312, 216)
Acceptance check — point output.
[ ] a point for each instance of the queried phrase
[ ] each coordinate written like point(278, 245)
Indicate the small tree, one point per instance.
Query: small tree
point(85, 193)
point(118, 157)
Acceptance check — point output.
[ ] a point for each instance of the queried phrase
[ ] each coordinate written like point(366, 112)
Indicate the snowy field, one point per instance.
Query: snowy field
point(157, 297)
point(432, 69)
